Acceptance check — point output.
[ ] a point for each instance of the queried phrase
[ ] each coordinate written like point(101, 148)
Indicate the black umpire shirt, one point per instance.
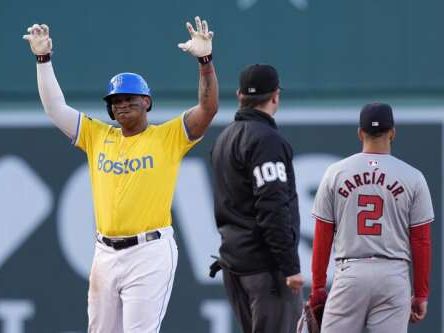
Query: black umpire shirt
point(256, 205)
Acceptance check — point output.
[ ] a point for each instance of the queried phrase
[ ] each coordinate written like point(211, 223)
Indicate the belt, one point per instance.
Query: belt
point(126, 242)
point(370, 257)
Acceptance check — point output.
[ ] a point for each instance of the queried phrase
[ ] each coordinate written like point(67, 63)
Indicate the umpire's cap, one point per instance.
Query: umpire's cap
point(258, 79)
point(376, 118)
point(127, 83)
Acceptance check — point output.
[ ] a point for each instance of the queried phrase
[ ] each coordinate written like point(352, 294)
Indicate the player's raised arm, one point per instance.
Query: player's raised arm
point(199, 117)
point(63, 116)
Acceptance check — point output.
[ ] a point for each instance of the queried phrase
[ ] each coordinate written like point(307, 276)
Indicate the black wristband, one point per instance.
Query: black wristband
point(43, 58)
point(205, 59)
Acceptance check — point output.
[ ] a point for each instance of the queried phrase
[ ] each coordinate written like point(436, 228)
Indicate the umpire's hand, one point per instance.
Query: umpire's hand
point(295, 282)
point(38, 38)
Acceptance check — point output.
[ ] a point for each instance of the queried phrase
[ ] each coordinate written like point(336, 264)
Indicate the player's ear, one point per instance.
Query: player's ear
point(275, 96)
point(392, 134)
point(360, 134)
point(146, 102)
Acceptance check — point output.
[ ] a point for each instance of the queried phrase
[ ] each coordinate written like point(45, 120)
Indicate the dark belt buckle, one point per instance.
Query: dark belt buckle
point(118, 244)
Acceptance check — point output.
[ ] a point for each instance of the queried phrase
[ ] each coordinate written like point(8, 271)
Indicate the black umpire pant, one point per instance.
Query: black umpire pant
point(262, 302)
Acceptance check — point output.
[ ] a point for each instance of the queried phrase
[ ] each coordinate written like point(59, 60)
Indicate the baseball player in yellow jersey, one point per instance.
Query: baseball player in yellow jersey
point(133, 172)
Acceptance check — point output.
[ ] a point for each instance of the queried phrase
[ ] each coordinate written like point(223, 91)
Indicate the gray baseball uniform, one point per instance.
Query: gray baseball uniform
point(373, 200)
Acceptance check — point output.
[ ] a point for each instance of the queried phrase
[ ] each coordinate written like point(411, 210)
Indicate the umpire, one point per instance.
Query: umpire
point(256, 210)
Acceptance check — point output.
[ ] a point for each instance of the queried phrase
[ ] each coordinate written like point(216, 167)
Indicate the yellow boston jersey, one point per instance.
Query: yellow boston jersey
point(133, 178)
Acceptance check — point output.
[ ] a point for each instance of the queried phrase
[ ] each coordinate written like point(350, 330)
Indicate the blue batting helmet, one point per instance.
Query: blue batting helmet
point(127, 83)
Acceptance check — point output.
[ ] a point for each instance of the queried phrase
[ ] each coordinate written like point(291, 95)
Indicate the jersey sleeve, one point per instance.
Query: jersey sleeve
point(175, 137)
point(270, 163)
point(323, 207)
point(421, 211)
point(88, 131)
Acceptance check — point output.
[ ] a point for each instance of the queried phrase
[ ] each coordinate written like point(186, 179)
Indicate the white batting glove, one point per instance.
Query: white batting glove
point(38, 38)
point(200, 43)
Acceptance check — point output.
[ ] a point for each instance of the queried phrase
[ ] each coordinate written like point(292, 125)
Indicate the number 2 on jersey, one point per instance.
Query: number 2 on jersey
point(364, 228)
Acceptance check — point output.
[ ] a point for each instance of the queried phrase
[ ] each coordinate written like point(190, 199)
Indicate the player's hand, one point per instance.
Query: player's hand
point(200, 43)
point(419, 309)
point(317, 296)
point(38, 38)
point(295, 282)
point(314, 309)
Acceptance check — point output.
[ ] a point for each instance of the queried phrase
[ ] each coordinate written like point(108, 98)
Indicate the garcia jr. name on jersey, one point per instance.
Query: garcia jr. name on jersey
point(126, 166)
point(376, 177)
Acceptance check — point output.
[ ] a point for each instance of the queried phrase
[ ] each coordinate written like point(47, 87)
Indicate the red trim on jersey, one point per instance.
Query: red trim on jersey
point(322, 219)
point(421, 245)
point(421, 223)
point(322, 242)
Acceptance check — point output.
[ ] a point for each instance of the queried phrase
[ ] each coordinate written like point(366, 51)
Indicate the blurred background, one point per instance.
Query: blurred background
point(333, 57)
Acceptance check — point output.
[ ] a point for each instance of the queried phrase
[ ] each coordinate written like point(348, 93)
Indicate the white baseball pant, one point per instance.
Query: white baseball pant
point(130, 288)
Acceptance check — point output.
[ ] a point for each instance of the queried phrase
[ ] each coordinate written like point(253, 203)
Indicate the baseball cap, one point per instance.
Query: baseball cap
point(376, 117)
point(258, 79)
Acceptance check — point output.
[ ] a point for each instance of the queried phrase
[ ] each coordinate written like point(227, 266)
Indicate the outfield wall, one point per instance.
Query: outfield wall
point(343, 47)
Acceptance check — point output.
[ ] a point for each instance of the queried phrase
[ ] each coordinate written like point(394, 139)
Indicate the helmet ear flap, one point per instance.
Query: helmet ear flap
point(110, 111)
